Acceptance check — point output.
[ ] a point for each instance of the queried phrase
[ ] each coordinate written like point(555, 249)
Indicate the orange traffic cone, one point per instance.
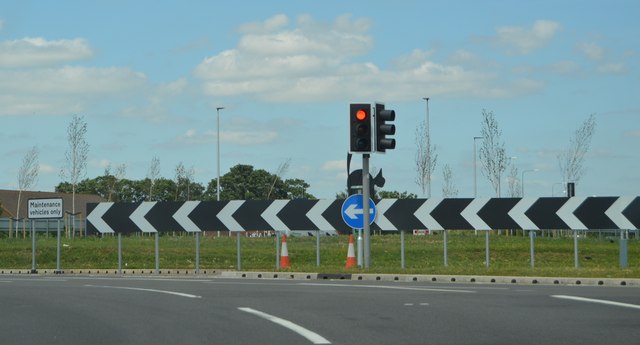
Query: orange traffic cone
point(351, 255)
point(284, 254)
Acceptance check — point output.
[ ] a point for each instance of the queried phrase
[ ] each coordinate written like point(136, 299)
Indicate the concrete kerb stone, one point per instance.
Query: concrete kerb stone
point(465, 279)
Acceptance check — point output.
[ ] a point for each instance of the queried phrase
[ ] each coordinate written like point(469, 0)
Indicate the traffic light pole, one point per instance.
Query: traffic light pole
point(365, 209)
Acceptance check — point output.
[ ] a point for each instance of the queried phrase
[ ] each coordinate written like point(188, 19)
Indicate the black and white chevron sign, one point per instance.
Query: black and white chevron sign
point(578, 213)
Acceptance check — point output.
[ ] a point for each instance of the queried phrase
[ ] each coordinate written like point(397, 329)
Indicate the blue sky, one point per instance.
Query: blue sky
point(148, 75)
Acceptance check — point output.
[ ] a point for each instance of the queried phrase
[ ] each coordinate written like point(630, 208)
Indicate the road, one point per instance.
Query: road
point(142, 310)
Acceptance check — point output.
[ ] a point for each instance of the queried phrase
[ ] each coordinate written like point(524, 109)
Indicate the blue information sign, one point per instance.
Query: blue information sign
point(353, 213)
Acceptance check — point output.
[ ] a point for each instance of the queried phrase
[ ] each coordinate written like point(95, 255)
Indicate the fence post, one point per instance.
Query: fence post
point(624, 235)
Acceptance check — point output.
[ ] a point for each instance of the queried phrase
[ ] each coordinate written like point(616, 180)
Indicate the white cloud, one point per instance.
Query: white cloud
point(322, 61)
point(521, 41)
point(592, 51)
point(611, 68)
point(62, 90)
point(30, 52)
point(335, 165)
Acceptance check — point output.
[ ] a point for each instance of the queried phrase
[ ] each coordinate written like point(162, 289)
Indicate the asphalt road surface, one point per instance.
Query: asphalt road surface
point(93, 310)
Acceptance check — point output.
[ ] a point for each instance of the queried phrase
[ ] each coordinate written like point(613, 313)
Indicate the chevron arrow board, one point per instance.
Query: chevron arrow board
point(577, 213)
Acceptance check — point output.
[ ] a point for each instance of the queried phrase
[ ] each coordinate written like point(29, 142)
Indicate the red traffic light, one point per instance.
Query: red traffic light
point(361, 115)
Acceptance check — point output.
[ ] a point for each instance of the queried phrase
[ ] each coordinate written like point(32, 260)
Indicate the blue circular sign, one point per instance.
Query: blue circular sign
point(353, 211)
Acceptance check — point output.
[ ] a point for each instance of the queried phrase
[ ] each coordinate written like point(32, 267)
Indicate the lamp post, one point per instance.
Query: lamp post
point(218, 156)
point(428, 150)
point(475, 167)
point(522, 180)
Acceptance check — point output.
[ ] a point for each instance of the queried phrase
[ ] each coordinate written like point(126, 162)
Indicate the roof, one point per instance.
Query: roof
point(9, 201)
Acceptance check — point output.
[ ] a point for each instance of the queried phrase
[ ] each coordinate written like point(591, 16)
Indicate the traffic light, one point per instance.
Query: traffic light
point(360, 127)
point(382, 128)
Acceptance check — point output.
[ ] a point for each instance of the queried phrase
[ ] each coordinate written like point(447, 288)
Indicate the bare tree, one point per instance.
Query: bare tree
point(76, 157)
point(492, 153)
point(515, 188)
point(113, 180)
point(153, 174)
point(27, 176)
point(180, 174)
point(426, 159)
point(571, 160)
point(282, 169)
point(188, 175)
point(449, 189)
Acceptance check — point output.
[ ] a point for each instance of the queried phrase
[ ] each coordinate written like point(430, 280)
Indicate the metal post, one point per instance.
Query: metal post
point(119, 253)
point(624, 236)
point(402, 249)
point(318, 248)
point(575, 248)
point(33, 248)
point(157, 253)
point(532, 236)
point(446, 260)
point(238, 251)
point(277, 250)
point(218, 155)
point(487, 256)
point(360, 249)
point(58, 249)
point(365, 208)
point(197, 253)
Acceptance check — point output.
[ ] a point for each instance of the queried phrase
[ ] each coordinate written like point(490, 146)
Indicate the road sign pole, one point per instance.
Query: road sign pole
point(58, 248)
point(365, 208)
point(119, 253)
point(197, 252)
point(33, 247)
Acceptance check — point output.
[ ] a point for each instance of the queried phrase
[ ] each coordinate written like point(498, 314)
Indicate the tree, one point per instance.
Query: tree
point(571, 160)
point(76, 156)
point(515, 185)
point(297, 189)
point(27, 174)
point(180, 173)
point(426, 158)
point(384, 194)
point(449, 189)
point(282, 169)
point(492, 152)
point(153, 174)
point(112, 180)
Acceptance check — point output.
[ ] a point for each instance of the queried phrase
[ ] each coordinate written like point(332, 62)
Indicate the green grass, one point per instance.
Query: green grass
point(423, 254)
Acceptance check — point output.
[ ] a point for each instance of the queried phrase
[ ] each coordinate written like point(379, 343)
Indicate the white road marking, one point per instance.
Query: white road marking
point(600, 301)
point(311, 336)
point(180, 294)
point(390, 287)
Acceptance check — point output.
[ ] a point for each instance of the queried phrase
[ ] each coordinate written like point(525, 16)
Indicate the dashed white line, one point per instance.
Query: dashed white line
point(313, 337)
point(180, 294)
point(600, 301)
point(390, 287)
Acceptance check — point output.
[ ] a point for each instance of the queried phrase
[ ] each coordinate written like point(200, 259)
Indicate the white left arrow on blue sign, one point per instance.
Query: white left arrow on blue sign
point(95, 217)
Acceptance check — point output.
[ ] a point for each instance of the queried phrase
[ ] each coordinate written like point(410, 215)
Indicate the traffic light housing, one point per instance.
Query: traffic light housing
point(360, 123)
point(383, 127)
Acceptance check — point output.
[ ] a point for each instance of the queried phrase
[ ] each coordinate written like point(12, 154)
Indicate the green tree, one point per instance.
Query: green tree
point(383, 194)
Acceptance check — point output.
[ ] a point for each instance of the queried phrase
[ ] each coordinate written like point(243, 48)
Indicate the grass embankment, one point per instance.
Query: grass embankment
point(423, 254)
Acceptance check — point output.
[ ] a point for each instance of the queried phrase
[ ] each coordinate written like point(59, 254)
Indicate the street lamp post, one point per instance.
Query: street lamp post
point(218, 156)
point(522, 180)
point(428, 150)
point(475, 168)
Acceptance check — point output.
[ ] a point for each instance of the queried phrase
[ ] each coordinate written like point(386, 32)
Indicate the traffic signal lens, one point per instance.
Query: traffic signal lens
point(361, 115)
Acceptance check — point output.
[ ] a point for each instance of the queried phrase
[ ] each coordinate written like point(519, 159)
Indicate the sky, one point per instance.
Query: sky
point(147, 77)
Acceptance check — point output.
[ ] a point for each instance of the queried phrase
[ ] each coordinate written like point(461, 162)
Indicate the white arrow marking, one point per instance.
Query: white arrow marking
point(382, 207)
point(138, 217)
point(615, 212)
point(270, 215)
point(315, 215)
point(182, 216)
point(566, 213)
point(518, 216)
point(423, 213)
point(470, 213)
point(226, 215)
point(313, 337)
point(352, 211)
point(95, 217)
